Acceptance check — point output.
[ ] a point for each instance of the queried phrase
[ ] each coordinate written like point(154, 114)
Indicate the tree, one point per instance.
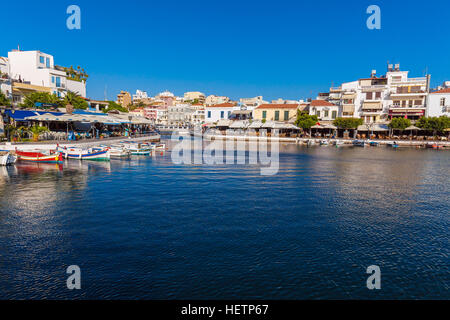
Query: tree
point(42, 97)
point(305, 121)
point(114, 106)
point(75, 100)
point(434, 123)
point(3, 100)
point(399, 123)
point(36, 131)
point(348, 123)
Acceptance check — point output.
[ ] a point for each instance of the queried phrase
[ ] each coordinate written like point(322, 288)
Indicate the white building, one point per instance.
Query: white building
point(252, 103)
point(140, 95)
point(324, 110)
point(5, 81)
point(439, 103)
point(218, 112)
point(38, 69)
point(213, 99)
point(379, 99)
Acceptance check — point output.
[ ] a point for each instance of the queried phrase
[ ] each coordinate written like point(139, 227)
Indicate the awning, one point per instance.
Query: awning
point(329, 126)
point(372, 105)
point(239, 124)
point(349, 96)
point(243, 112)
point(223, 123)
point(348, 109)
point(268, 125)
point(255, 124)
point(411, 128)
point(373, 127)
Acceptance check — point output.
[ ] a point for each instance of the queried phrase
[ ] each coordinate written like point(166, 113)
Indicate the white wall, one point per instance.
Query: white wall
point(434, 108)
point(216, 113)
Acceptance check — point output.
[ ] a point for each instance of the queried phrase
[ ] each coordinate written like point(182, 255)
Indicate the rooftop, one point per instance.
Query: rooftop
point(277, 106)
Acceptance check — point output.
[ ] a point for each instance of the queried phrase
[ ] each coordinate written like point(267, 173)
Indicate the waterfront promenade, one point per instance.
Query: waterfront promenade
point(86, 143)
point(403, 143)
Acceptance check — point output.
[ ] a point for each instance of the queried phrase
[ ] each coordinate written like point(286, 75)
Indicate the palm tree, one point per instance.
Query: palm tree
point(36, 131)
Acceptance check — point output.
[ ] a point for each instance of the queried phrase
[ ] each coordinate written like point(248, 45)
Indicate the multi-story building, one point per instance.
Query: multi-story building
point(218, 112)
point(252, 103)
point(407, 95)
point(324, 110)
point(194, 96)
point(198, 116)
point(378, 99)
point(168, 98)
point(213, 99)
point(139, 95)
point(179, 114)
point(276, 112)
point(5, 80)
point(31, 71)
point(438, 103)
point(124, 99)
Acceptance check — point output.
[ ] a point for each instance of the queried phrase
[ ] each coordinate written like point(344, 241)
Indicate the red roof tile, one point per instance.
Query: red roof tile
point(222, 105)
point(321, 103)
point(447, 90)
point(277, 106)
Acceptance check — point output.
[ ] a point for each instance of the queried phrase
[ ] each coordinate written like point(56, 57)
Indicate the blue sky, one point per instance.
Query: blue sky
point(289, 49)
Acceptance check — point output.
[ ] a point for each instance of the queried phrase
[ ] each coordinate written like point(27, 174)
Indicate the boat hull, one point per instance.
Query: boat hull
point(101, 155)
point(39, 157)
point(7, 159)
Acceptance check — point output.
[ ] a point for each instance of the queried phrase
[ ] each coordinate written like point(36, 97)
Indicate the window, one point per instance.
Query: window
point(277, 115)
point(418, 102)
point(41, 59)
point(264, 114)
point(222, 114)
point(326, 113)
point(286, 115)
point(229, 114)
point(378, 95)
point(334, 114)
point(58, 82)
point(209, 114)
point(47, 62)
point(368, 95)
point(442, 102)
point(53, 79)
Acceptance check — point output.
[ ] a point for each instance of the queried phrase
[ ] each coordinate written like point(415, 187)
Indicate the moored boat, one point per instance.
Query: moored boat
point(324, 142)
point(6, 159)
point(94, 154)
point(39, 156)
point(359, 143)
point(374, 143)
point(393, 145)
point(338, 143)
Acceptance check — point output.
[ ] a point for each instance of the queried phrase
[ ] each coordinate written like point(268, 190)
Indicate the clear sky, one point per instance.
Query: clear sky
point(288, 49)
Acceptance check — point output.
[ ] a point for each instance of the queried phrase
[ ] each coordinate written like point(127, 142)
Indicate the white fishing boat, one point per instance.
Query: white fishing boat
point(324, 142)
point(160, 146)
point(117, 151)
point(6, 158)
point(94, 154)
point(338, 143)
point(138, 149)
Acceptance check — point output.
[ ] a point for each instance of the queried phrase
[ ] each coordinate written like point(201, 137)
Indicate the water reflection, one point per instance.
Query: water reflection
point(148, 228)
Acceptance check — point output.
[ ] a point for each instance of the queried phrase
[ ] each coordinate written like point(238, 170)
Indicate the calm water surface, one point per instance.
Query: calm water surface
point(146, 228)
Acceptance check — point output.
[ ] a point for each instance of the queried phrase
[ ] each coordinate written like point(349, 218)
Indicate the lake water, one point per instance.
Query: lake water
point(147, 228)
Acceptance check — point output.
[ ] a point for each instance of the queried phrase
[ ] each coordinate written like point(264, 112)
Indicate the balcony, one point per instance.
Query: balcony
point(374, 106)
point(378, 87)
point(410, 80)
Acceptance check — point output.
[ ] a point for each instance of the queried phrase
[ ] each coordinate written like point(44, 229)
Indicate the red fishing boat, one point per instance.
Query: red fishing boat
point(37, 156)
